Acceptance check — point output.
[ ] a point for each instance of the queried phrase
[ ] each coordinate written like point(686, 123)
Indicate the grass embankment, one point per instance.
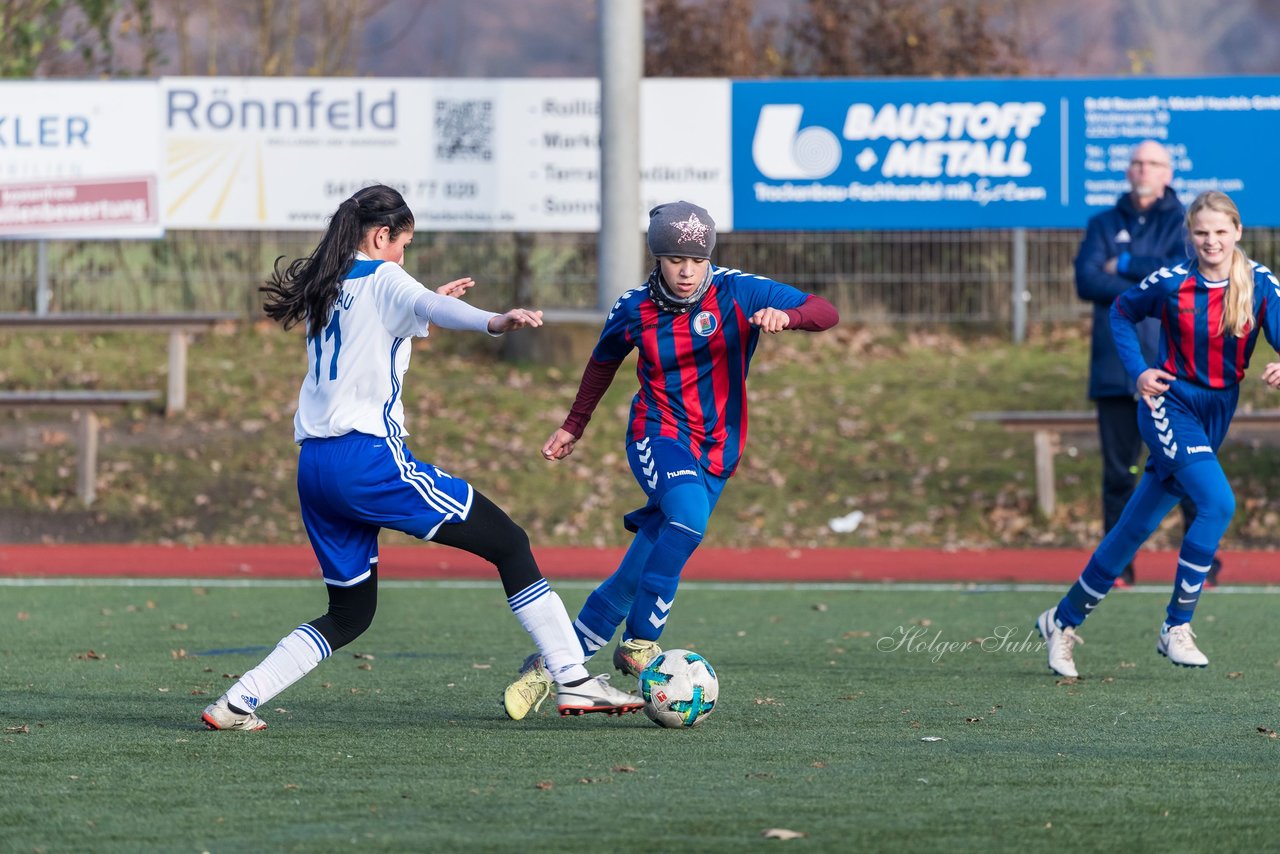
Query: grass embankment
point(874, 420)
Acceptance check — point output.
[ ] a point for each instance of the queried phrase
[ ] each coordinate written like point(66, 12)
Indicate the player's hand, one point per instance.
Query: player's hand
point(517, 318)
point(559, 445)
point(457, 287)
point(1111, 266)
point(1271, 374)
point(770, 320)
point(1152, 383)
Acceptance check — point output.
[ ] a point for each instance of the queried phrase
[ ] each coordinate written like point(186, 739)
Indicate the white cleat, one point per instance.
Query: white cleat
point(596, 695)
point(1061, 643)
point(219, 715)
point(1179, 646)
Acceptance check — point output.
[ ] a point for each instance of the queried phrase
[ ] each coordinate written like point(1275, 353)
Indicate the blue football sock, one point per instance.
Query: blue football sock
point(607, 606)
point(657, 593)
point(1207, 486)
point(1148, 505)
point(1090, 588)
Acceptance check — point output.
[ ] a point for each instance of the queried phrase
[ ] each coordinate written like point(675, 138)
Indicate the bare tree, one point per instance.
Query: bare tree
point(81, 38)
point(1178, 37)
point(712, 38)
point(955, 38)
point(830, 38)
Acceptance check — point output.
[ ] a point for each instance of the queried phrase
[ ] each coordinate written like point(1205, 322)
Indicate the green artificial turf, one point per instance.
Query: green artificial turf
point(397, 743)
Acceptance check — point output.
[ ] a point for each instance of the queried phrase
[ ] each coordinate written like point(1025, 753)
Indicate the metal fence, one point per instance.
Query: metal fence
point(873, 276)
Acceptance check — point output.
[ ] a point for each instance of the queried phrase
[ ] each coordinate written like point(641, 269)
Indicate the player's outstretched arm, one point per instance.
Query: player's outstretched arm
point(516, 318)
point(559, 445)
point(771, 320)
point(457, 287)
point(815, 314)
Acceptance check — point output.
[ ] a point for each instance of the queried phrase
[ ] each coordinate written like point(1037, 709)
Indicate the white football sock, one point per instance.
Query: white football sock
point(295, 656)
point(543, 616)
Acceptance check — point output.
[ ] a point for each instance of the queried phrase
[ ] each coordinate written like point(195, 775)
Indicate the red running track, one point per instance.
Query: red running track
point(1054, 566)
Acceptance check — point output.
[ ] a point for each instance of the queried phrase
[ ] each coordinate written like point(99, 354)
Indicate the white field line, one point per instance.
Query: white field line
point(441, 584)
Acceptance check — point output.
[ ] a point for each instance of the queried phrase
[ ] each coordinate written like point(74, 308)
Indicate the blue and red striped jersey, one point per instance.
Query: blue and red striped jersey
point(693, 367)
point(1190, 313)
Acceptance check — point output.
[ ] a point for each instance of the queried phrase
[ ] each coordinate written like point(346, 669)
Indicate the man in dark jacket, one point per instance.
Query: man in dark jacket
point(1145, 231)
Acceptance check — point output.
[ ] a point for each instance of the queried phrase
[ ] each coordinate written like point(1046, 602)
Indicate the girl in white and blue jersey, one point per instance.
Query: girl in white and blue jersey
point(356, 475)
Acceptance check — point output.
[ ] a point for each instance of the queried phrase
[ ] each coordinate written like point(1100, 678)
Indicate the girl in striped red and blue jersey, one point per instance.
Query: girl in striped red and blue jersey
point(1210, 311)
point(356, 475)
point(695, 327)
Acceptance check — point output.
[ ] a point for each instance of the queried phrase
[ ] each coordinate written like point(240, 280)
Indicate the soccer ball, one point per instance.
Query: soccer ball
point(679, 688)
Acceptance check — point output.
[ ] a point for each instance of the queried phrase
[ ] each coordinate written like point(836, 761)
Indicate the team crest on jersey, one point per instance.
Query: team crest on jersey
point(705, 323)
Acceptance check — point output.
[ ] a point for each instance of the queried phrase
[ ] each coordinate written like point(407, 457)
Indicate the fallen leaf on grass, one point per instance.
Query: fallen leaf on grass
point(363, 655)
point(623, 769)
point(972, 720)
point(766, 701)
point(481, 666)
point(1269, 733)
point(544, 784)
point(90, 656)
point(177, 653)
point(1235, 674)
point(365, 666)
point(23, 615)
point(782, 833)
point(22, 729)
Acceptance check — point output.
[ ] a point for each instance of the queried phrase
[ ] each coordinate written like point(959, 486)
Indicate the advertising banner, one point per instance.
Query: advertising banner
point(468, 155)
point(78, 159)
point(835, 154)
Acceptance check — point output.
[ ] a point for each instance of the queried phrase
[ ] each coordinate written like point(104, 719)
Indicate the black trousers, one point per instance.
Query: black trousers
point(1122, 447)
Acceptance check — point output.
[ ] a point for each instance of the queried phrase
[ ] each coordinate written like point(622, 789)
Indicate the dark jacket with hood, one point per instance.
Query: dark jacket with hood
point(1142, 242)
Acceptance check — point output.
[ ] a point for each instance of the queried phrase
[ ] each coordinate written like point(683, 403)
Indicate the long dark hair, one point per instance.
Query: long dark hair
point(307, 288)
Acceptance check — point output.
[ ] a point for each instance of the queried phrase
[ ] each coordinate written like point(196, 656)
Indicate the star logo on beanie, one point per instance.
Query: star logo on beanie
point(692, 230)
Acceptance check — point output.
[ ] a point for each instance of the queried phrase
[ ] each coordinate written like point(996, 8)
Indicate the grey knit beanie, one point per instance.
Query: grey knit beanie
point(682, 229)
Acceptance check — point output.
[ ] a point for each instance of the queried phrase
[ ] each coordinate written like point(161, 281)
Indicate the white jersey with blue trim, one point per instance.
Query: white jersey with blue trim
point(356, 365)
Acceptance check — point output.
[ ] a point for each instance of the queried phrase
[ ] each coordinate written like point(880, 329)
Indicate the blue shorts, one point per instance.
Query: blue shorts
point(1187, 426)
point(352, 486)
point(660, 465)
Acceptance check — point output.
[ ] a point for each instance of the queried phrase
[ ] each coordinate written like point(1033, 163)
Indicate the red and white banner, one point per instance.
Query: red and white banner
point(119, 207)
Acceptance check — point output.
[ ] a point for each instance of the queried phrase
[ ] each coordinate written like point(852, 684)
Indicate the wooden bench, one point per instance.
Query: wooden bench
point(86, 402)
point(179, 326)
point(1049, 426)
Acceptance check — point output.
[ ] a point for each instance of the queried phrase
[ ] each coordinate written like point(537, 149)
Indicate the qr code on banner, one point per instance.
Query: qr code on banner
point(464, 130)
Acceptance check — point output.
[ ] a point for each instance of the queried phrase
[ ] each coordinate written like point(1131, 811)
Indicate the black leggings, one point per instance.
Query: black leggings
point(488, 532)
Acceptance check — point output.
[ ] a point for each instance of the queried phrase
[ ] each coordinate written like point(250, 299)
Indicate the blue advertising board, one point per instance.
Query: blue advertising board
point(902, 154)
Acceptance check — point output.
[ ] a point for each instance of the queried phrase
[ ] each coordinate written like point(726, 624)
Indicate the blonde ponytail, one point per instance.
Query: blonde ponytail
point(1237, 305)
